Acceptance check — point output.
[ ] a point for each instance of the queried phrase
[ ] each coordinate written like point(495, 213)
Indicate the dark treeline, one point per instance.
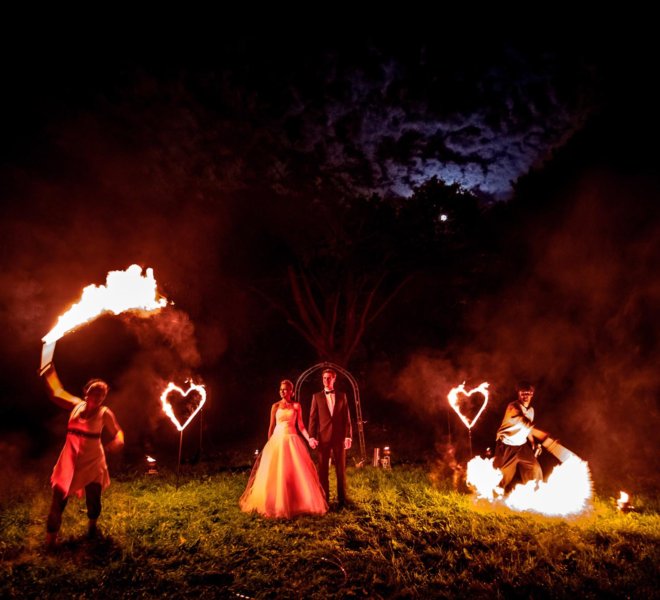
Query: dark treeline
point(271, 270)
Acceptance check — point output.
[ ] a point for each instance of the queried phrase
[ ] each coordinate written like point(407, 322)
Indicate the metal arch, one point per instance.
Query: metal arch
point(356, 396)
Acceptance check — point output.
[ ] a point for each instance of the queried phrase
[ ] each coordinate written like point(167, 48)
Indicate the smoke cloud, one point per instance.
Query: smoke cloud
point(579, 324)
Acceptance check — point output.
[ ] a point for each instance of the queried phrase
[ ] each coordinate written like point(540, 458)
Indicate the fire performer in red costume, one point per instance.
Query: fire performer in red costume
point(516, 450)
point(81, 465)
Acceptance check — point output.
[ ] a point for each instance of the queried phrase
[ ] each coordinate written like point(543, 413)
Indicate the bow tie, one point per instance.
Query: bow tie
point(329, 391)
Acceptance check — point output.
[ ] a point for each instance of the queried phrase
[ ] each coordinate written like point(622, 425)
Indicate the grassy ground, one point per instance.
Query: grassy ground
point(405, 537)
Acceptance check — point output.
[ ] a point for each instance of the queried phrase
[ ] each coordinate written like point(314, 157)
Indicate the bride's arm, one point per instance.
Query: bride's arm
point(271, 427)
point(301, 426)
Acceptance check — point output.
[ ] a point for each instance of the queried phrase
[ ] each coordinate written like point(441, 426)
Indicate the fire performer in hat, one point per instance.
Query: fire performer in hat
point(516, 450)
point(81, 465)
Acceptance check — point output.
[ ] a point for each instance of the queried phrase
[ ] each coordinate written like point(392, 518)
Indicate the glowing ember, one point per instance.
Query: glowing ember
point(566, 491)
point(453, 401)
point(123, 291)
point(167, 406)
point(623, 503)
point(152, 469)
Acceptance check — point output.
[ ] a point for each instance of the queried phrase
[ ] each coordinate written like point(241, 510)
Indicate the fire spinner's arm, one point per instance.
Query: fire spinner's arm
point(55, 390)
point(110, 421)
point(538, 434)
point(517, 426)
point(301, 425)
point(271, 427)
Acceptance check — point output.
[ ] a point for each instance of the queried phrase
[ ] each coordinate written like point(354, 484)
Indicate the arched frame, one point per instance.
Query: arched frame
point(356, 396)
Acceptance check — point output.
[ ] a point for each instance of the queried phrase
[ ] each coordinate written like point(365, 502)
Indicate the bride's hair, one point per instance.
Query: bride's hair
point(289, 383)
point(92, 383)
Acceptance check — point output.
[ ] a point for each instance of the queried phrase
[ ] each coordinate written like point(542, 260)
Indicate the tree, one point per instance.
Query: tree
point(349, 260)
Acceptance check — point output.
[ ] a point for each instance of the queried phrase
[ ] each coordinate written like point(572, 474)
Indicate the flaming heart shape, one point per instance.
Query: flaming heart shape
point(453, 401)
point(174, 389)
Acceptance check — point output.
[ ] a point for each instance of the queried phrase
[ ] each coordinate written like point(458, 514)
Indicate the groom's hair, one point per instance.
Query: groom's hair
point(331, 371)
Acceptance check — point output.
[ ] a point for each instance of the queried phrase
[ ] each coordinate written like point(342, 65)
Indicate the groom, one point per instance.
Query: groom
point(330, 430)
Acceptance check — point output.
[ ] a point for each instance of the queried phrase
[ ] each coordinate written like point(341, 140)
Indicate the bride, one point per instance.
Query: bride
point(284, 481)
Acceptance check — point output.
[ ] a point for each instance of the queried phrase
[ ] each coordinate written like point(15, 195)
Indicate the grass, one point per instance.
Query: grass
point(407, 536)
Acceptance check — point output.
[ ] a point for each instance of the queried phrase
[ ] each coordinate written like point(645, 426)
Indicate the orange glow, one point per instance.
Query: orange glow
point(566, 492)
point(453, 401)
point(167, 407)
point(123, 291)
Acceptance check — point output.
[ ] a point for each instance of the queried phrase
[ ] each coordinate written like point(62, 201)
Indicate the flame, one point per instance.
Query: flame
point(484, 478)
point(453, 401)
point(623, 500)
point(123, 291)
point(150, 460)
point(167, 407)
point(566, 491)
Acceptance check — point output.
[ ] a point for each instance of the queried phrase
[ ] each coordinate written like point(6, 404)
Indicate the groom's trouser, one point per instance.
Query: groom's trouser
point(338, 454)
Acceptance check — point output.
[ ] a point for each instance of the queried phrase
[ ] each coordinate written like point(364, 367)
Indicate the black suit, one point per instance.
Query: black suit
point(331, 431)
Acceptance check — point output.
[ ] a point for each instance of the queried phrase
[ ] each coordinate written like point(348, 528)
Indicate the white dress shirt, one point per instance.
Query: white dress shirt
point(330, 399)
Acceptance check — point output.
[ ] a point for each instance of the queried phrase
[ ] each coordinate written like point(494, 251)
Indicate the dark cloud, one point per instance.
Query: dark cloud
point(359, 115)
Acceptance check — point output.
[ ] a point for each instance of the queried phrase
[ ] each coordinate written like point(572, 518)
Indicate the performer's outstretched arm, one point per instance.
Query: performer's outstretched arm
point(55, 390)
point(110, 422)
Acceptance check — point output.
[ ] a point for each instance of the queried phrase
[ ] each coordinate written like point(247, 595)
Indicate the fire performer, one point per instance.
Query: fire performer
point(516, 450)
point(81, 465)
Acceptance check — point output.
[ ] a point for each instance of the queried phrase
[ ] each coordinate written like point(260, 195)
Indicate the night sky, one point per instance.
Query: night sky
point(199, 154)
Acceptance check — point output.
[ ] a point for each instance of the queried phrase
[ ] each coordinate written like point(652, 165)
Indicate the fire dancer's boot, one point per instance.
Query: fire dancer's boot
point(92, 530)
point(51, 540)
